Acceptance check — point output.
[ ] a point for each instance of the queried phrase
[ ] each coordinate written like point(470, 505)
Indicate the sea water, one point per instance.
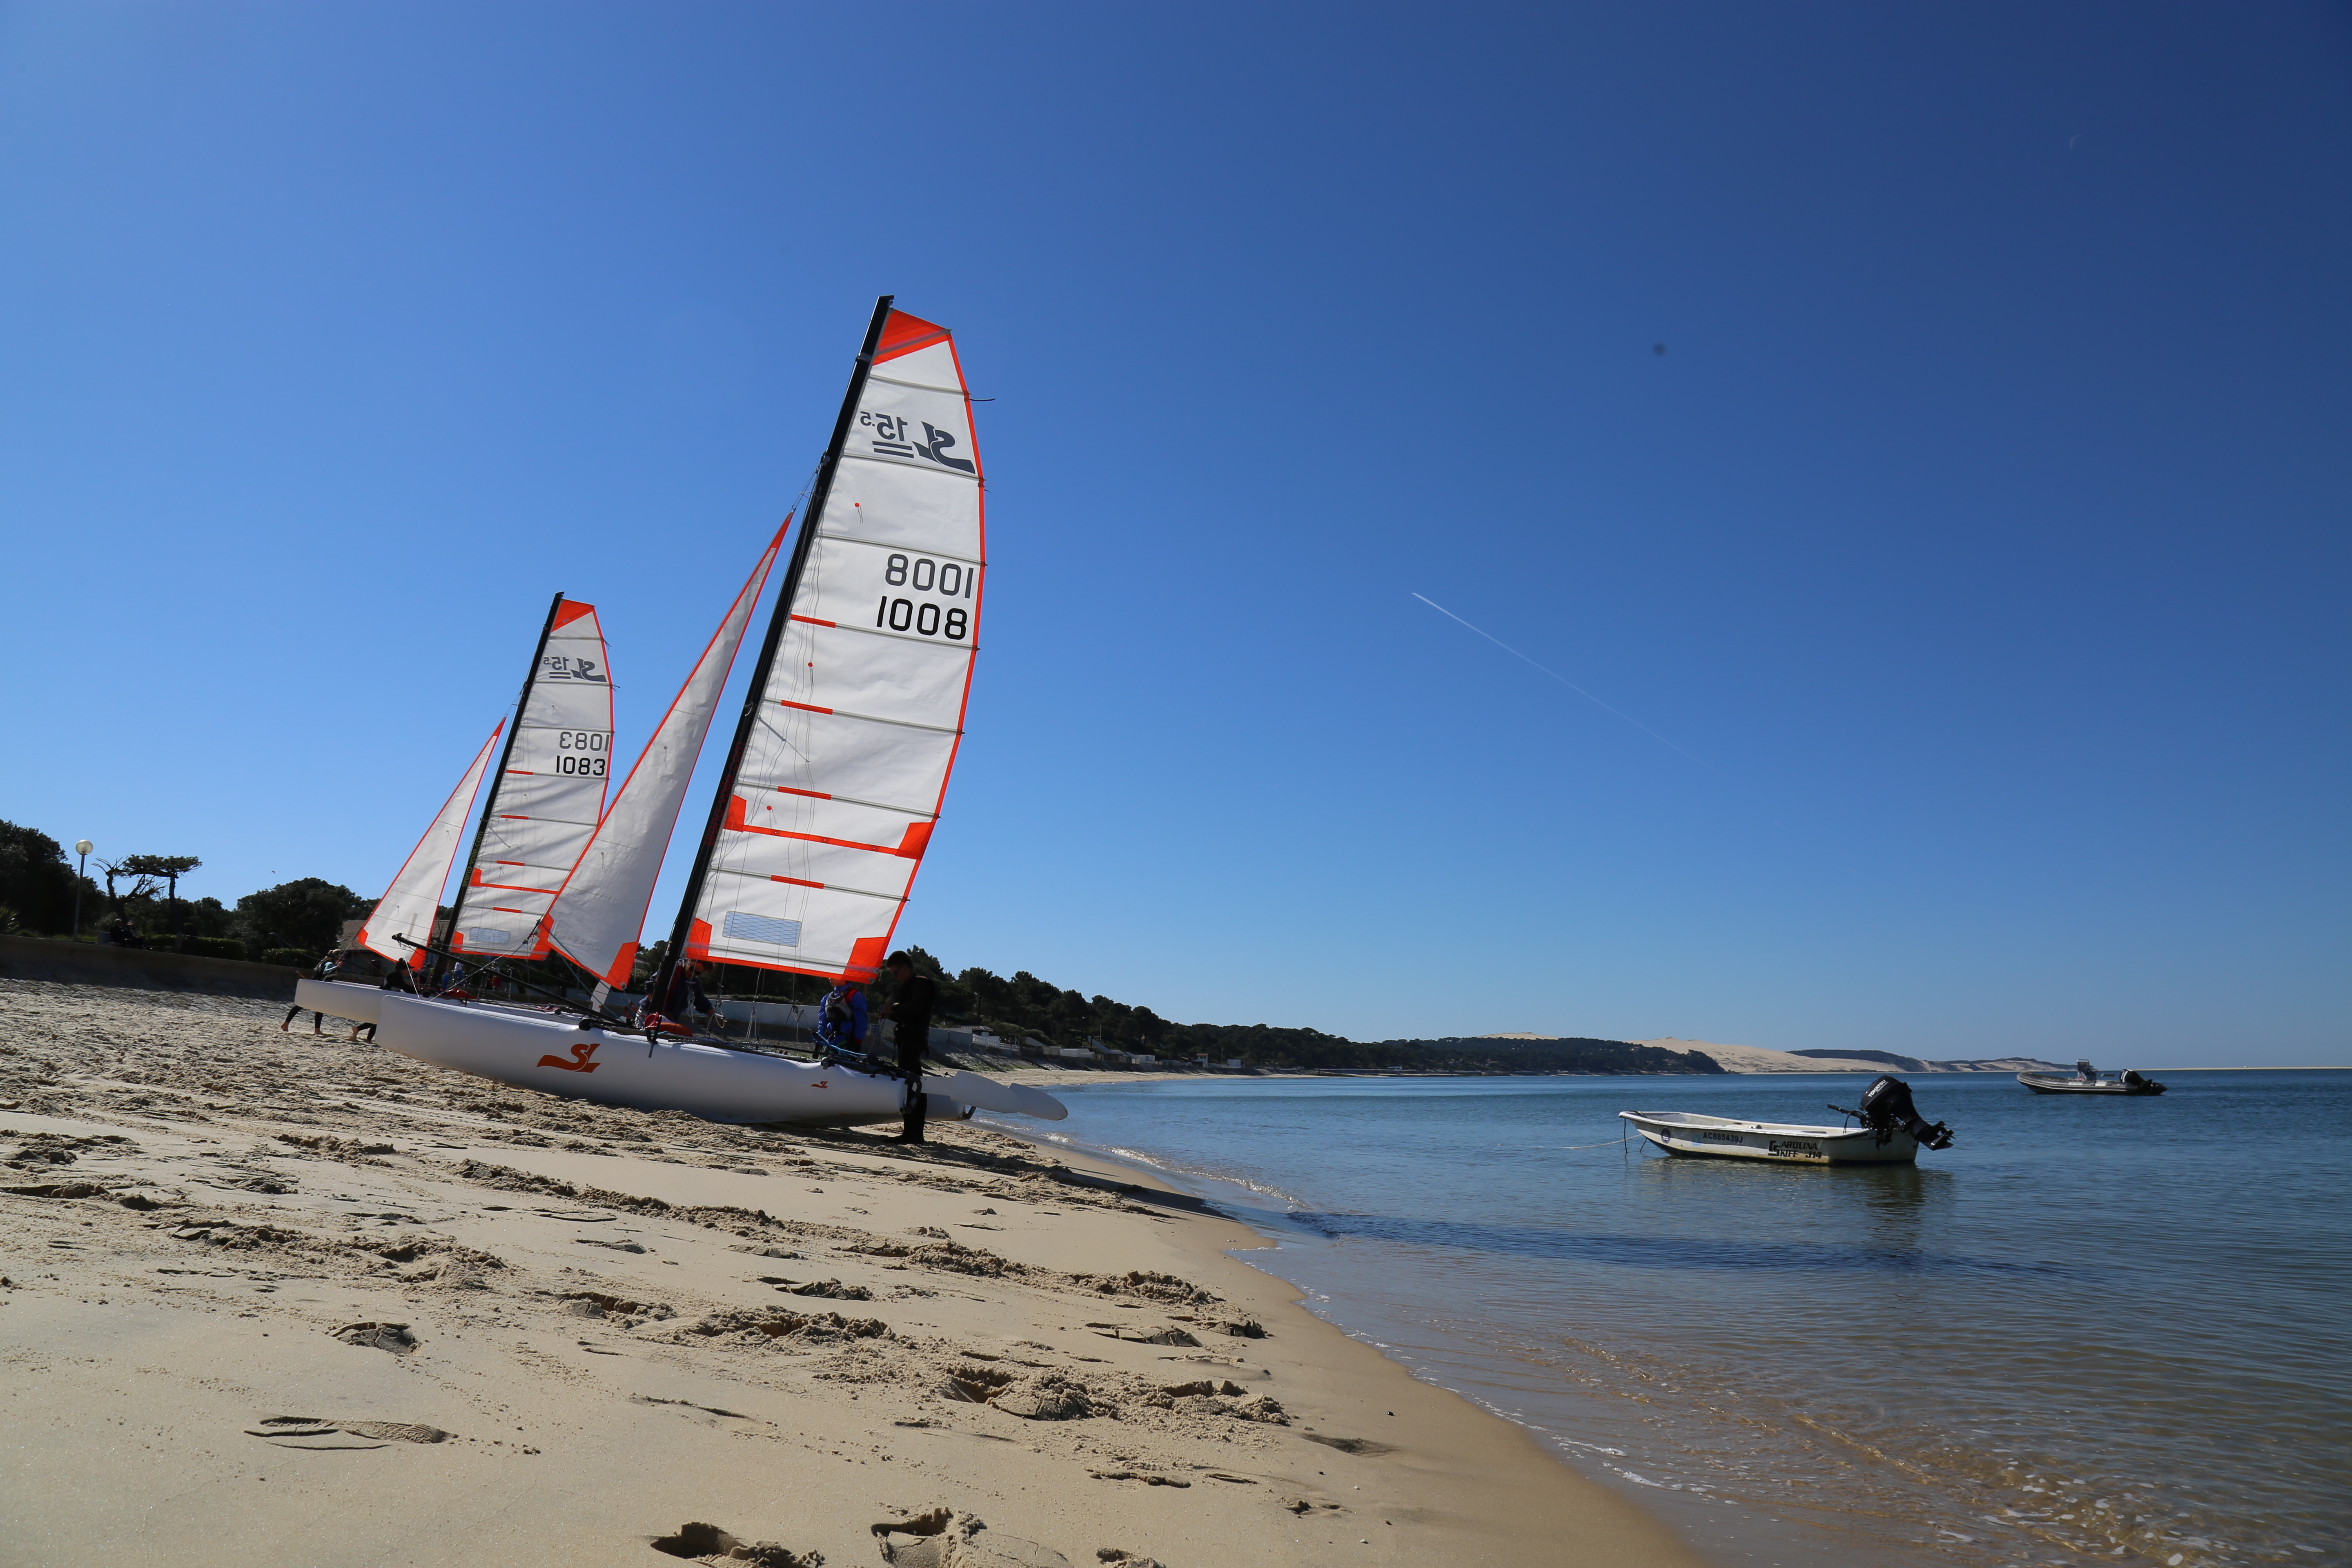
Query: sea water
point(2102, 1327)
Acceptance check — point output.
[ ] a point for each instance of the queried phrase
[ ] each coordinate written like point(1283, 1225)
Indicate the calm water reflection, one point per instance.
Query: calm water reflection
point(2091, 1324)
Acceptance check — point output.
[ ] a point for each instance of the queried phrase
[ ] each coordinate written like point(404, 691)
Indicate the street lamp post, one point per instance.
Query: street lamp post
point(82, 846)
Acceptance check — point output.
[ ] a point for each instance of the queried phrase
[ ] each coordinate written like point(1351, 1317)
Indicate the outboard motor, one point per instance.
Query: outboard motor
point(1886, 1109)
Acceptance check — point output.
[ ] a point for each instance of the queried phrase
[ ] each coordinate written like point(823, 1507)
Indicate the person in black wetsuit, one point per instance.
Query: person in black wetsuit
point(686, 994)
point(326, 971)
point(912, 997)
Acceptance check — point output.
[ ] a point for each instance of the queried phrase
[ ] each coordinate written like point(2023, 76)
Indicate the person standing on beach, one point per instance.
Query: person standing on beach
point(912, 997)
point(327, 967)
point(360, 964)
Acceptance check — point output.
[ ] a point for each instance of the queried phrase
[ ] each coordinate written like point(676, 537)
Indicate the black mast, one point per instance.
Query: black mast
point(505, 754)
point(819, 493)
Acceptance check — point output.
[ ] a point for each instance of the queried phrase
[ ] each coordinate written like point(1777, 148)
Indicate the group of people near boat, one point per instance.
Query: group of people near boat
point(842, 1024)
point(355, 964)
point(841, 1027)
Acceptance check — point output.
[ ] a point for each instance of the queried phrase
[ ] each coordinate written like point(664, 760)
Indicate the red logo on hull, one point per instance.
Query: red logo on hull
point(578, 1062)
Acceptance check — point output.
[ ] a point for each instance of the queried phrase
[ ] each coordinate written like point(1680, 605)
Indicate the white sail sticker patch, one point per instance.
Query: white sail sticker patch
point(749, 927)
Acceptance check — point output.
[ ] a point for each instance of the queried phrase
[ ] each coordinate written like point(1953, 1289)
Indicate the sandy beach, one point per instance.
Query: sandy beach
point(286, 1298)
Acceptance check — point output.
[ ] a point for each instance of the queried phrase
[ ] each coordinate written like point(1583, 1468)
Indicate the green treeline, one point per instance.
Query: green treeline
point(1025, 1007)
point(295, 922)
point(133, 900)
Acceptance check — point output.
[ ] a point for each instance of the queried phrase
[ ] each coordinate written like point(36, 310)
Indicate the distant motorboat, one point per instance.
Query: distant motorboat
point(2087, 1081)
point(1892, 1132)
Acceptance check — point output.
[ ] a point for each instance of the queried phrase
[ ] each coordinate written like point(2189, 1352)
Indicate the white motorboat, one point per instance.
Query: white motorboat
point(2087, 1081)
point(1688, 1133)
point(1892, 1132)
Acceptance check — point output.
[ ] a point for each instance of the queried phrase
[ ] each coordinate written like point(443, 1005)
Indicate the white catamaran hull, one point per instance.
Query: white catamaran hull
point(1684, 1133)
point(340, 999)
point(614, 1068)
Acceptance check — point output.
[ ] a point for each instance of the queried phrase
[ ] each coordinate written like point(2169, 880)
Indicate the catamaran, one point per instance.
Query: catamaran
point(547, 798)
point(824, 809)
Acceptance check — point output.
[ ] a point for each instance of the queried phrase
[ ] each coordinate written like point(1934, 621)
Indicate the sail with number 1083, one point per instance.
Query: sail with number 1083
point(547, 795)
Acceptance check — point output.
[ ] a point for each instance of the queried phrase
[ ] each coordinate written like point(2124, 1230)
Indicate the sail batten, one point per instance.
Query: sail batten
point(827, 809)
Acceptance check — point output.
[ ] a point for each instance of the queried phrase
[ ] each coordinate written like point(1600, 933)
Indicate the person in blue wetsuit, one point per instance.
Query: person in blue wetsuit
point(841, 1019)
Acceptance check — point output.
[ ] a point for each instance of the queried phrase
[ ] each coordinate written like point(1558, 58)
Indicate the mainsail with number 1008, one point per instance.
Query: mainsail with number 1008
point(841, 761)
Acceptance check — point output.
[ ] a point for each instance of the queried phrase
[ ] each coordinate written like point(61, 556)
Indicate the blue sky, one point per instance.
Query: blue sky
point(1978, 541)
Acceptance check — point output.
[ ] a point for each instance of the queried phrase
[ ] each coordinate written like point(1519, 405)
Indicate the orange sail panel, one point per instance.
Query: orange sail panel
point(600, 910)
point(547, 798)
point(862, 707)
point(408, 907)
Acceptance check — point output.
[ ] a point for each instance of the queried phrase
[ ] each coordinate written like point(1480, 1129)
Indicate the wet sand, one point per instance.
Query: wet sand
point(282, 1296)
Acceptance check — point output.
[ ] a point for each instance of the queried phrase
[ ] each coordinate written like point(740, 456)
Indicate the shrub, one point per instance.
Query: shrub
point(305, 913)
point(35, 881)
point(292, 957)
point(214, 947)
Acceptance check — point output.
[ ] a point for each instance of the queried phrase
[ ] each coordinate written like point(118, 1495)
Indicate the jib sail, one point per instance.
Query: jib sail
point(841, 764)
point(599, 911)
point(409, 905)
point(548, 793)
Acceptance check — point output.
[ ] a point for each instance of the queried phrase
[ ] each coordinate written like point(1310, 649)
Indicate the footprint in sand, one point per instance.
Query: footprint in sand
point(950, 1538)
point(708, 1544)
point(310, 1432)
point(393, 1337)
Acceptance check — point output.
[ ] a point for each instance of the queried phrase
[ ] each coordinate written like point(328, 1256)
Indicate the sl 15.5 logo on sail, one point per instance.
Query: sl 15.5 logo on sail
point(891, 440)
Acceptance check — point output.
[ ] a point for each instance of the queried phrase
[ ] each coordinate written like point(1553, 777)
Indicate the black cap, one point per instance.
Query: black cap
point(898, 957)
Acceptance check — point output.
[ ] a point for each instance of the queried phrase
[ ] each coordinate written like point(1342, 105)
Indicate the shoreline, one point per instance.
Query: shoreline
point(1669, 1509)
point(277, 1293)
point(1078, 1078)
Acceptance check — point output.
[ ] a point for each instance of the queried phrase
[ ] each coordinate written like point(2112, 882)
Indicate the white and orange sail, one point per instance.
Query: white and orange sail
point(599, 911)
point(841, 765)
point(410, 905)
point(548, 795)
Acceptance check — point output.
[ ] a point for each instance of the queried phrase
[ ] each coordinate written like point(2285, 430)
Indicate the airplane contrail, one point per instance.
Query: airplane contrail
point(1564, 680)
